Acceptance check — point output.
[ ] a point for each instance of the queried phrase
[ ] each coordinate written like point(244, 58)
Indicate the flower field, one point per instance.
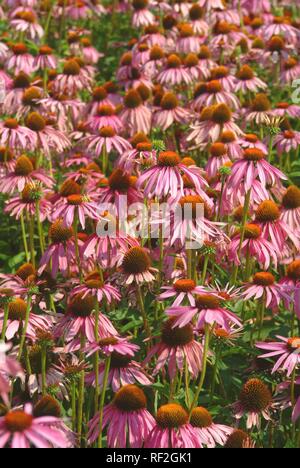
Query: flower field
point(150, 224)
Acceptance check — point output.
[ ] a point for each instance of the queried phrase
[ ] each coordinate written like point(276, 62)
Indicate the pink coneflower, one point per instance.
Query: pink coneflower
point(73, 79)
point(79, 321)
point(253, 167)
point(26, 203)
point(19, 60)
point(136, 266)
point(250, 140)
point(191, 63)
point(119, 186)
point(14, 94)
point(21, 430)
point(155, 61)
point(212, 4)
point(45, 59)
point(9, 367)
point(107, 140)
point(247, 81)
point(128, 421)
point(291, 70)
point(106, 117)
point(142, 156)
point(291, 284)
point(78, 10)
point(166, 178)
point(80, 206)
point(209, 310)
point(217, 159)
point(199, 25)
point(284, 397)
point(221, 120)
point(25, 21)
point(124, 370)
point(135, 114)
point(99, 98)
point(264, 287)
point(45, 136)
point(287, 141)
point(290, 208)
point(90, 54)
point(187, 41)
point(232, 145)
point(260, 110)
point(176, 346)
point(288, 351)
point(17, 311)
point(16, 136)
point(142, 16)
point(95, 286)
point(284, 109)
point(22, 175)
point(182, 289)
point(212, 93)
point(170, 112)
point(273, 227)
point(61, 251)
point(280, 27)
point(255, 401)
point(257, 246)
point(174, 72)
point(225, 35)
point(191, 222)
point(209, 432)
point(172, 429)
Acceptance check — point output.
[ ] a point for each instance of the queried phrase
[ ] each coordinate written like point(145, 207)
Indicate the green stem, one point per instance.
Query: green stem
point(24, 238)
point(242, 235)
point(77, 247)
point(81, 393)
point(31, 240)
point(204, 368)
point(5, 319)
point(96, 358)
point(143, 312)
point(73, 402)
point(204, 270)
point(40, 229)
point(44, 360)
point(24, 330)
point(102, 400)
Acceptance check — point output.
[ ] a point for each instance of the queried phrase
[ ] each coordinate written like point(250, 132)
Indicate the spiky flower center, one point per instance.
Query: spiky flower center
point(81, 306)
point(228, 137)
point(196, 12)
point(19, 49)
point(245, 73)
point(200, 417)
point(172, 416)
point(204, 53)
point(119, 181)
point(221, 114)
point(156, 53)
point(193, 204)
point(31, 95)
point(136, 261)
point(36, 122)
point(140, 4)
point(252, 231)
point(261, 103)
point(290, 63)
point(133, 99)
point(218, 149)
point(263, 278)
point(26, 15)
point(219, 73)
point(59, 232)
point(169, 101)
point(145, 146)
point(253, 154)
point(191, 60)
point(45, 50)
point(120, 361)
point(184, 285)
point(291, 198)
point(71, 68)
point(267, 212)
point(186, 30)
point(207, 301)
point(168, 159)
point(75, 200)
point(107, 132)
point(173, 61)
point(174, 337)
point(21, 81)
point(47, 406)
point(69, 187)
point(294, 343)
point(24, 166)
point(293, 270)
point(17, 309)
point(99, 94)
point(214, 87)
point(130, 398)
point(276, 44)
point(17, 421)
point(255, 396)
point(12, 124)
point(25, 270)
point(237, 440)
